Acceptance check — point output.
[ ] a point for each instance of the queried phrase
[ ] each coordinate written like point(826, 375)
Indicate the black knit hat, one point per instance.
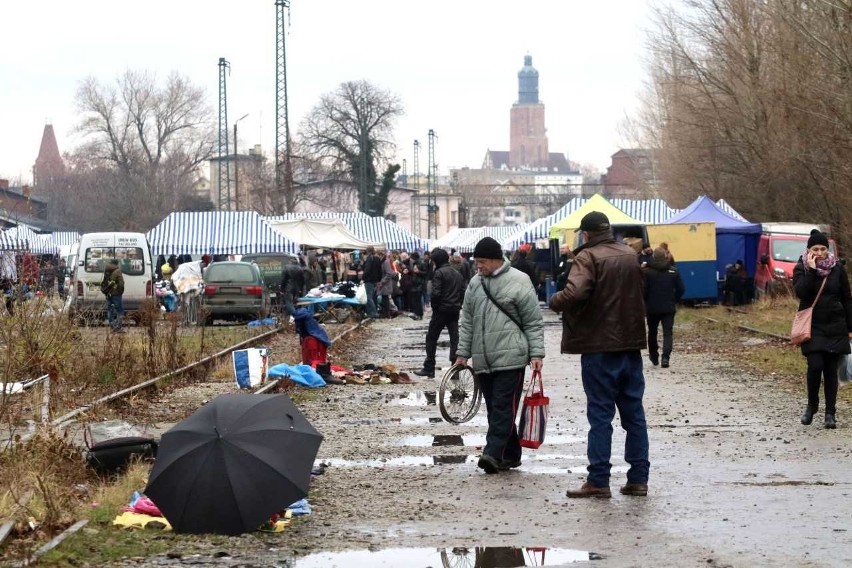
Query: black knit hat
point(817, 238)
point(488, 248)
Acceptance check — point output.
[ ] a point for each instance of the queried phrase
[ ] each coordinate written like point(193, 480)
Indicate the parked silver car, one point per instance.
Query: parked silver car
point(234, 291)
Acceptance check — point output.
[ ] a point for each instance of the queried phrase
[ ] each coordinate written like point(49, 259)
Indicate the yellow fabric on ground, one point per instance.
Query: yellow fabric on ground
point(139, 521)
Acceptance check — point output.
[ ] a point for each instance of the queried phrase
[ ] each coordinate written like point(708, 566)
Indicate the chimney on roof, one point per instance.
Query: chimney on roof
point(25, 190)
point(4, 184)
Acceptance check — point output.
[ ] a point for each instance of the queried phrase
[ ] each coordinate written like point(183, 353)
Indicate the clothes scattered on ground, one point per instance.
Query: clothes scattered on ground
point(304, 375)
point(299, 508)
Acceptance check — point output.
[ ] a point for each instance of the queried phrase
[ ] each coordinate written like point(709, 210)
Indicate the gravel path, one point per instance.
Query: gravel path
point(735, 479)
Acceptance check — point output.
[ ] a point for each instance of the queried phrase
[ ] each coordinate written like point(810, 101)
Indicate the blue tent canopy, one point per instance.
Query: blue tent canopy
point(735, 239)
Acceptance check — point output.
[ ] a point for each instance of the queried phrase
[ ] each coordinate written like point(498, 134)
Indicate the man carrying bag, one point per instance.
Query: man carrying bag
point(501, 332)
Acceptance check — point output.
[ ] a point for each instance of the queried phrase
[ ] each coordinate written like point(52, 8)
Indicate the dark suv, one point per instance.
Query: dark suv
point(271, 266)
point(234, 291)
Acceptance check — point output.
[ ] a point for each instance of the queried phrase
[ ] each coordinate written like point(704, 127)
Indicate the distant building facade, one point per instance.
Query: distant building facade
point(632, 174)
point(526, 182)
point(49, 167)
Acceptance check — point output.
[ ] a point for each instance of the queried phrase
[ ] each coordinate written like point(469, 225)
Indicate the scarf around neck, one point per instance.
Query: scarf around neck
point(823, 266)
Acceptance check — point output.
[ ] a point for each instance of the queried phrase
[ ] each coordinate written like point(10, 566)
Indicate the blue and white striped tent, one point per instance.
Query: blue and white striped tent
point(35, 243)
point(649, 211)
point(375, 229)
point(453, 238)
point(726, 207)
point(10, 242)
point(64, 238)
point(217, 232)
point(540, 229)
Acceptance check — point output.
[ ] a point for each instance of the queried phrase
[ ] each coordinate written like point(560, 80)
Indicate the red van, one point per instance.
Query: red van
point(781, 245)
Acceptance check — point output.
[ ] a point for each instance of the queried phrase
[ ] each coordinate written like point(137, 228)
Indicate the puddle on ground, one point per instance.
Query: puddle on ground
point(479, 557)
point(416, 398)
point(537, 464)
point(474, 440)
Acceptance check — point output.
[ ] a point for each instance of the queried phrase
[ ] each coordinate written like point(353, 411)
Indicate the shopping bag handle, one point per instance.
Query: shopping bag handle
point(536, 377)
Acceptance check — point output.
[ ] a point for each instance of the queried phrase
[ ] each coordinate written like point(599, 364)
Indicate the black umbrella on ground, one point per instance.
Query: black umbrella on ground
point(232, 464)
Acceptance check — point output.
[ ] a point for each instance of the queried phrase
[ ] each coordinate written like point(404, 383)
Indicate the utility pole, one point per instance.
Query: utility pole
point(283, 167)
point(237, 167)
point(417, 185)
point(432, 190)
point(224, 163)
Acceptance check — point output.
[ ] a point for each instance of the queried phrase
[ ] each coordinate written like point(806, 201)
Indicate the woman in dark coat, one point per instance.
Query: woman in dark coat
point(831, 327)
point(663, 290)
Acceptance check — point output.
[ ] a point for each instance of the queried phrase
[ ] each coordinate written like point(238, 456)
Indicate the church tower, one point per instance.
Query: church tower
point(49, 166)
point(528, 137)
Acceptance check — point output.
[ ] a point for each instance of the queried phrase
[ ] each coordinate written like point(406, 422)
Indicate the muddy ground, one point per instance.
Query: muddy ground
point(735, 479)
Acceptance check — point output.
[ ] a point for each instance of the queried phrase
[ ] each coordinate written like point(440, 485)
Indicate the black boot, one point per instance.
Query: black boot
point(830, 422)
point(424, 372)
point(808, 415)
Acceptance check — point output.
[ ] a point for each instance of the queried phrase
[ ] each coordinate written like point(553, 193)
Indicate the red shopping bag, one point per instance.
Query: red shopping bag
point(534, 414)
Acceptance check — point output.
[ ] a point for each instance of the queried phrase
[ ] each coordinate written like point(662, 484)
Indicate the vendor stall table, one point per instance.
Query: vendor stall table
point(332, 309)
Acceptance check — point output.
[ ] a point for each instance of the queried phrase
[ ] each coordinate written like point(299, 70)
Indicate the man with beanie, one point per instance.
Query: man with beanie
point(501, 332)
point(603, 320)
point(447, 294)
point(112, 286)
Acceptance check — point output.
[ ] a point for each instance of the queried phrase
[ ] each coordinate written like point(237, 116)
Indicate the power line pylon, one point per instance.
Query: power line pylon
point(417, 184)
point(283, 167)
point(224, 161)
point(432, 190)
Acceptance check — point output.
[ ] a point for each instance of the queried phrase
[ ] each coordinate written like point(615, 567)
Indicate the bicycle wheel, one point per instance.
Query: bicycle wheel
point(459, 396)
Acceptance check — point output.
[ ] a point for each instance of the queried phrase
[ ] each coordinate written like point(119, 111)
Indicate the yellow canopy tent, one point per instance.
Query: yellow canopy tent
point(597, 202)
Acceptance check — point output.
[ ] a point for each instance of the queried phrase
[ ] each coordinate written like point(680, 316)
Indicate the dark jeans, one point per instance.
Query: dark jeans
point(437, 323)
point(822, 364)
point(615, 380)
point(413, 301)
point(370, 288)
point(502, 392)
point(115, 311)
point(654, 321)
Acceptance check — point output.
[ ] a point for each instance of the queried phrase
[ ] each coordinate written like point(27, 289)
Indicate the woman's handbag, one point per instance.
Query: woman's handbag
point(534, 414)
point(802, 322)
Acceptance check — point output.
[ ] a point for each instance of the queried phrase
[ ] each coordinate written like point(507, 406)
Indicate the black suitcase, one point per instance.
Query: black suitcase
point(111, 456)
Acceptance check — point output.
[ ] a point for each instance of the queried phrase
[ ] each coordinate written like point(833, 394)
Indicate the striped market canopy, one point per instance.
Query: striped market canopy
point(468, 241)
point(649, 211)
point(64, 238)
point(454, 237)
point(10, 242)
point(35, 243)
point(377, 229)
point(217, 232)
point(726, 207)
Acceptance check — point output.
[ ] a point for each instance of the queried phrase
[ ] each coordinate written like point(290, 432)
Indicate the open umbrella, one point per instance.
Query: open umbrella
point(232, 464)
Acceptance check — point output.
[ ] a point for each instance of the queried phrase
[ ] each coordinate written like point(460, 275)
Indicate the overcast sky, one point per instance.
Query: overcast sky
point(453, 63)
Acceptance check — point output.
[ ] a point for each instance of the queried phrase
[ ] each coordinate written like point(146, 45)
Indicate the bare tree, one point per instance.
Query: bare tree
point(751, 101)
point(149, 138)
point(350, 132)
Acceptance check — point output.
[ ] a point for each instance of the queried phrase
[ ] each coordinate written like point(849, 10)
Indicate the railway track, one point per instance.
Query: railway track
point(7, 525)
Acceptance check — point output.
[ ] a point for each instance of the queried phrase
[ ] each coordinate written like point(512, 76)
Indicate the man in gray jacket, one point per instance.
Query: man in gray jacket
point(603, 306)
point(501, 332)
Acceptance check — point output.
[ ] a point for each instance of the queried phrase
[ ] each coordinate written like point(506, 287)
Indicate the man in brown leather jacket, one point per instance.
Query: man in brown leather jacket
point(604, 321)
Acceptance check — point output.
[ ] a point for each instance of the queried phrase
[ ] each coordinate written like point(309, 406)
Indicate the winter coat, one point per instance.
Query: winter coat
point(372, 269)
point(114, 280)
point(563, 269)
point(418, 275)
point(447, 289)
point(663, 288)
point(313, 277)
point(386, 288)
point(488, 338)
point(293, 280)
point(832, 315)
point(603, 299)
point(524, 265)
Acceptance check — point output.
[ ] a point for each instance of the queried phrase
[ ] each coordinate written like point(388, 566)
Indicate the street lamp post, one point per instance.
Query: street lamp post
point(237, 167)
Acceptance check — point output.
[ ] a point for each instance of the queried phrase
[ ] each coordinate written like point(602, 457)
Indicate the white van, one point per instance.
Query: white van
point(94, 251)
